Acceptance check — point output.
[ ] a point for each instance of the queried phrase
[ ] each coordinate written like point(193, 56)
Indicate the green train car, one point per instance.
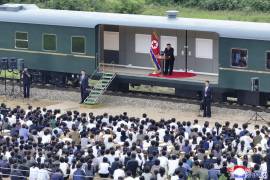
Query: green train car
point(57, 44)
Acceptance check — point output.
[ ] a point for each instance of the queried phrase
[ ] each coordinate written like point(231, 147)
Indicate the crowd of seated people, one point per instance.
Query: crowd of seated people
point(41, 144)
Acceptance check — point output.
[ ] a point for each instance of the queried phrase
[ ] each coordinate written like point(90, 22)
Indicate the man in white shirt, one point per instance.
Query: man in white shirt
point(33, 174)
point(119, 173)
point(163, 160)
point(43, 174)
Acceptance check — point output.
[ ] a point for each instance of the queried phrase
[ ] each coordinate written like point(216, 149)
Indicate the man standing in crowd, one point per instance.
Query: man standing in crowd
point(83, 85)
point(26, 83)
point(169, 62)
point(207, 97)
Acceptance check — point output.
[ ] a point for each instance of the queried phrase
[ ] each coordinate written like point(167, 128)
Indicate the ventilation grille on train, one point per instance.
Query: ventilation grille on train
point(11, 7)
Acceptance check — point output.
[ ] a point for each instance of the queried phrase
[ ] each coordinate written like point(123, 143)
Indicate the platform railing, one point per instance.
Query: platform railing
point(102, 67)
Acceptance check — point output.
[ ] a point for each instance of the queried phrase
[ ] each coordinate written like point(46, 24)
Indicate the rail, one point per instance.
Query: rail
point(112, 64)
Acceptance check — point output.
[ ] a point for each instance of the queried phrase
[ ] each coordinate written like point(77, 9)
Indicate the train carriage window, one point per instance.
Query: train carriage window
point(49, 42)
point(239, 57)
point(268, 60)
point(78, 44)
point(21, 40)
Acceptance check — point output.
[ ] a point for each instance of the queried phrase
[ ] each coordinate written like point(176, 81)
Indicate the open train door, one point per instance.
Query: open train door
point(108, 44)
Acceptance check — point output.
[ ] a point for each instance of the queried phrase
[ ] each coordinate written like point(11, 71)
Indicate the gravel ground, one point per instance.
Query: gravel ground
point(156, 109)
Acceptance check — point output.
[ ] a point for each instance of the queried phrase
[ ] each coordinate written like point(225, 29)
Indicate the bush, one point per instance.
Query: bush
point(137, 6)
point(260, 5)
point(221, 5)
point(130, 6)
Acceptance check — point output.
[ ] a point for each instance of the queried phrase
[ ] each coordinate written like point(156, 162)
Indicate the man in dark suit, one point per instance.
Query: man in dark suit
point(26, 77)
point(207, 98)
point(169, 62)
point(132, 165)
point(83, 85)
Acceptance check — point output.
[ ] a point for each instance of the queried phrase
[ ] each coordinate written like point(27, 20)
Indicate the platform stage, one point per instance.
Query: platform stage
point(127, 76)
point(146, 74)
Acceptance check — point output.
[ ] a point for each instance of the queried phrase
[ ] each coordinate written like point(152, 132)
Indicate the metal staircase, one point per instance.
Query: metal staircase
point(100, 88)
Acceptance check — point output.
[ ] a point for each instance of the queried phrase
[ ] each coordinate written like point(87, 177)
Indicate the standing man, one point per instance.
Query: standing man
point(169, 59)
point(207, 98)
point(26, 77)
point(83, 85)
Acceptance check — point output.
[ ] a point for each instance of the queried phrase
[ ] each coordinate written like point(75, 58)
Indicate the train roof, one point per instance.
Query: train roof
point(30, 13)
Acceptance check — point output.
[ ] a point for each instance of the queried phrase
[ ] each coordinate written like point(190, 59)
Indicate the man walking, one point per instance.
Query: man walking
point(169, 59)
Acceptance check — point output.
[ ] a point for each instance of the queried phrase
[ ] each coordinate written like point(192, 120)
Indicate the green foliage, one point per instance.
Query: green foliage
point(221, 5)
point(127, 6)
point(260, 5)
point(252, 10)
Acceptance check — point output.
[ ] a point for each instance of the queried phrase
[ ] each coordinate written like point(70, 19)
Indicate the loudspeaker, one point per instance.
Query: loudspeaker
point(20, 64)
point(4, 63)
point(12, 63)
point(255, 84)
point(254, 98)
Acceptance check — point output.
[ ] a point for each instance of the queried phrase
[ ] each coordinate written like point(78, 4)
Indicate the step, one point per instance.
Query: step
point(94, 95)
point(90, 99)
point(109, 74)
point(95, 92)
point(101, 84)
point(99, 88)
point(106, 77)
point(105, 81)
point(90, 102)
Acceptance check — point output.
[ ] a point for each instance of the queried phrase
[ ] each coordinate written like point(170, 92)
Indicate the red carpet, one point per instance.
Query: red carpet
point(175, 75)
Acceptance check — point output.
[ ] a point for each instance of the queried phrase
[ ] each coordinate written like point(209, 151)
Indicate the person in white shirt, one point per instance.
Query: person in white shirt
point(46, 138)
point(64, 166)
point(43, 174)
point(247, 139)
point(104, 168)
point(263, 169)
point(264, 144)
point(119, 172)
point(172, 164)
point(33, 173)
point(196, 125)
point(84, 141)
point(105, 118)
point(162, 174)
point(163, 160)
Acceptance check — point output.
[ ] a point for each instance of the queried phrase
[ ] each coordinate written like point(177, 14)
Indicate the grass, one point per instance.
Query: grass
point(237, 15)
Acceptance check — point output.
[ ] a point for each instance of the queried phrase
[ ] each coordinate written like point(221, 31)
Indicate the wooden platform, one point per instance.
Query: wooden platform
point(131, 71)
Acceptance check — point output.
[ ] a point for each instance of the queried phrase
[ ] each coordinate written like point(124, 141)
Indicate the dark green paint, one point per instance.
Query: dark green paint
point(240, 80)
point(70, 63)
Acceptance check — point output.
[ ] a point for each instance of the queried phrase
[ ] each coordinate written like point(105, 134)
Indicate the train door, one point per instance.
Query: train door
point(201, 53)
point(110, 44)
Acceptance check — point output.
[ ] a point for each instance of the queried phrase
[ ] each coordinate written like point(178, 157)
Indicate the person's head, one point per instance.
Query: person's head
point(82, 72)
point(25, 69)
point(207, 83)
point(129, 173)
point(169, 45)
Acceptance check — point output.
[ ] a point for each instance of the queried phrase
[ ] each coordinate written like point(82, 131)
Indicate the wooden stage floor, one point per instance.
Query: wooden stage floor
point(140, 72)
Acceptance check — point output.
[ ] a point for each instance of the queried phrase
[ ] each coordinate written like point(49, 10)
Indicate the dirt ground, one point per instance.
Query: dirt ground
point(135, 107)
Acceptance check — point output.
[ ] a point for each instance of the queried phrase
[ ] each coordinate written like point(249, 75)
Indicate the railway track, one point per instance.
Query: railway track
point(148, 95)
